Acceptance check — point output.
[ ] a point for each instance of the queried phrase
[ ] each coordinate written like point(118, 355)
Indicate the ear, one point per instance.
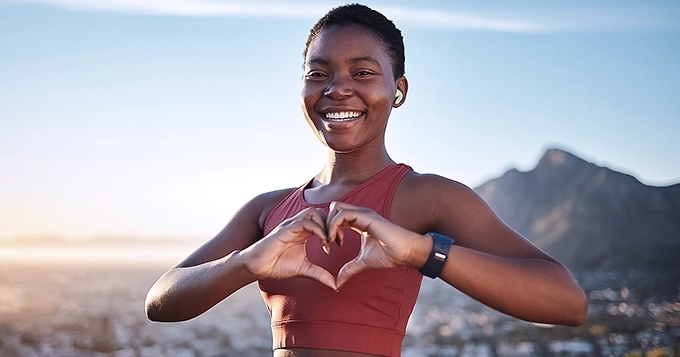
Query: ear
point(402, 86)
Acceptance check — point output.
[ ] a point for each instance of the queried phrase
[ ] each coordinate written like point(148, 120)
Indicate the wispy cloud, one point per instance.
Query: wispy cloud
point(418, 17)
point(503, 19)
point(189, 7)
point(459, 20)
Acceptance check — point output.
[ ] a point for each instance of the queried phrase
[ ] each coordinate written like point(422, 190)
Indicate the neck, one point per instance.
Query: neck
point(353, 167)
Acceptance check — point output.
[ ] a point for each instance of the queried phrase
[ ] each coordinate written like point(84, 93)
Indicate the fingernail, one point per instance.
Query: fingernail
point(326, 249)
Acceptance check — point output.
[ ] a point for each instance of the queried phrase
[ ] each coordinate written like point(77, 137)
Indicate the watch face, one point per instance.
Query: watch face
point(435, 263)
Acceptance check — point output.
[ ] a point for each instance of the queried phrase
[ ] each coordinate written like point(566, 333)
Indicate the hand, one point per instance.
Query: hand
point(281, 254)
point(383, 243)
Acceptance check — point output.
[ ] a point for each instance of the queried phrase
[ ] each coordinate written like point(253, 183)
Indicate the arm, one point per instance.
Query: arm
point(237, 256)
point(489, 262)
point(494, 264)
point(211, 273)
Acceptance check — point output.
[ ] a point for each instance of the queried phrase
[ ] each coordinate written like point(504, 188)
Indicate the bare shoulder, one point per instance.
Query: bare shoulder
point(242, 230)
point(430, 183)
point(423, 202)
point(266, 202)
point(433, 191)
point(426, 202)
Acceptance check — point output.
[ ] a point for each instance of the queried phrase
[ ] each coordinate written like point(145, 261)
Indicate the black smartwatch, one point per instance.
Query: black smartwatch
point(440, 251)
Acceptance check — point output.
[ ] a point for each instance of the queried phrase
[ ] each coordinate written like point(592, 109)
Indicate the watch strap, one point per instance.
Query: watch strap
point(440, 252)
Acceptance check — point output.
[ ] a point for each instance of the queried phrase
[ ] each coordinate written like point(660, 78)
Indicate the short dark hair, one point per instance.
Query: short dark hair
point(363, 15)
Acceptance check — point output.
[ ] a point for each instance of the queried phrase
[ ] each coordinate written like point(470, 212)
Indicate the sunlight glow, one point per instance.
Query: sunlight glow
point(96, 255)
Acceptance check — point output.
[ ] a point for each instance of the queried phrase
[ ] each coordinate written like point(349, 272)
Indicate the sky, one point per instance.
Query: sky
point(160, 118)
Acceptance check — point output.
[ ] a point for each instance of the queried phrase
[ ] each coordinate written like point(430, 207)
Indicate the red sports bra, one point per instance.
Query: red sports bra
point(370, 312)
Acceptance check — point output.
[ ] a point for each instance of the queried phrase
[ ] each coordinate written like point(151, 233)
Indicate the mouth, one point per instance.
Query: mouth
point(339, 117)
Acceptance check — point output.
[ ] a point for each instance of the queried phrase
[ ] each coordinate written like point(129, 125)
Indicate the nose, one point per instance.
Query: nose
point(339, 87)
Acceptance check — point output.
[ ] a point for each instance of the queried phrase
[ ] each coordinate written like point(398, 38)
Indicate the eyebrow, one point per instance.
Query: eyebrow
point(353, 60)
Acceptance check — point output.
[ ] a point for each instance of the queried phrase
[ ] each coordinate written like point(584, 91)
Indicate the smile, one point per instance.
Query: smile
point(342, 116)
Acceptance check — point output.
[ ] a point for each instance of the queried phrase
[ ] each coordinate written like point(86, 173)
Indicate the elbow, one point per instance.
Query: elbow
point(159, 304)
point(155, 313)
point(153, 306)
point(574, 303)
point(159, 308)
point(583, 310)
point(578, 312)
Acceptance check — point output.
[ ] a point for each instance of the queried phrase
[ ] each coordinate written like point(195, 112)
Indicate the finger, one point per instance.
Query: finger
point(332, 220)
point(343, 205)
point(350, 269)
point(332, 211)
point(363, 233)
point(335, 237)
point(325, 246)
point(318, 216)
point(319, 274)
point(304, 229)
point(357, 220)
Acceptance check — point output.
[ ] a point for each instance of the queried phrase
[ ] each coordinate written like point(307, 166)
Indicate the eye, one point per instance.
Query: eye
point(364, 73)
point(315, 75)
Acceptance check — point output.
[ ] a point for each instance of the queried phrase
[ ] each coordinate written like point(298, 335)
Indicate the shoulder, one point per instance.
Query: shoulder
point(242, 230)
point(423, 201)
point(264, 203)
point(272, 197)
point(432, 188)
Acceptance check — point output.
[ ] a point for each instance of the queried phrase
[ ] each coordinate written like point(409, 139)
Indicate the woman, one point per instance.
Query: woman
point(340, 259)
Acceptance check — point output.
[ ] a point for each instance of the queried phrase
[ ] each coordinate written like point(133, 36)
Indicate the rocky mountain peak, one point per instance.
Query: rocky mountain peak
point(558, 157)
point(589, 216)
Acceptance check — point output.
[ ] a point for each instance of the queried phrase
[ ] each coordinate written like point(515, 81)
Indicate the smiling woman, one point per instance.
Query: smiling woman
point(349, 84)
point(339, 260)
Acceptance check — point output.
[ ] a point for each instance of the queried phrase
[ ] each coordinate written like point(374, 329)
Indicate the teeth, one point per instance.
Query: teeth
point(342, 116)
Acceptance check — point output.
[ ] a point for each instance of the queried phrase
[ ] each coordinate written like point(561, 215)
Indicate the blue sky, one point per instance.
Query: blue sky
point(158, 119)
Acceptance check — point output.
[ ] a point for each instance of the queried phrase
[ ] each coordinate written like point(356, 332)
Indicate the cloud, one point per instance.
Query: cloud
point(418, 17)
point(459, 20)
point(606, 18)
point(542, 18)
point(189, 7)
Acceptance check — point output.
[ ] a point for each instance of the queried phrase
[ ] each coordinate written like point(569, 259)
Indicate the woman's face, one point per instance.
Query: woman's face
point(348, 87)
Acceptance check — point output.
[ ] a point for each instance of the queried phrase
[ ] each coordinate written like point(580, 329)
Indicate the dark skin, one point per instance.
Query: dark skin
point(347, 95)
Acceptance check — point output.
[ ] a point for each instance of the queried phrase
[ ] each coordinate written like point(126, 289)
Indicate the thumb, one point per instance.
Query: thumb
point(319, 274)
point(348, 270)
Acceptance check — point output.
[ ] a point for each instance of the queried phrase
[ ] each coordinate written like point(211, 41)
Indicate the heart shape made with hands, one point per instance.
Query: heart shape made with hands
point(357, 253)
point(334, 256)
point(312, 234)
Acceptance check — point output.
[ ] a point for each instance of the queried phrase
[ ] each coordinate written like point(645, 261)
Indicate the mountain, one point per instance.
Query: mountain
point(589, 217)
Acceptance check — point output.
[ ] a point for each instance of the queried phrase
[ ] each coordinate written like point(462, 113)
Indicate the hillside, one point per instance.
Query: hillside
point(589, 217)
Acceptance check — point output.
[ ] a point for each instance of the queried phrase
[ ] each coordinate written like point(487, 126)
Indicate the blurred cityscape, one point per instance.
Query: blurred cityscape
point(91, 309)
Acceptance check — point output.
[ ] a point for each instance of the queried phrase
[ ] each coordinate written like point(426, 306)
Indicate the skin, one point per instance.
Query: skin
point(348, 70)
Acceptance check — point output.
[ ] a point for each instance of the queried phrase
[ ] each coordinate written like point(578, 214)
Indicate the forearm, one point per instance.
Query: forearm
point(533, 289)
point(186, 292)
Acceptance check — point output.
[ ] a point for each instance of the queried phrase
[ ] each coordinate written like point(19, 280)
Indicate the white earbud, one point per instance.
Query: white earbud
point(398, 97)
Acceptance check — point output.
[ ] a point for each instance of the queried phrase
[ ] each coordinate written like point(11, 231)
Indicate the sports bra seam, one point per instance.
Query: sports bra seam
point(352, 192)
point(330, 323)
point(278, 205)
point(391, 192)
